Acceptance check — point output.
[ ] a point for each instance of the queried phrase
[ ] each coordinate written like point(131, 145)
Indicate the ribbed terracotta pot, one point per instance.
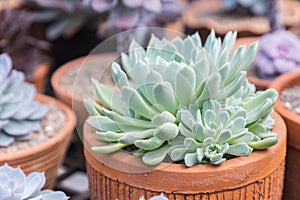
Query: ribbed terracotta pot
point(292, 120)
point(71, 98)
point(260, 84)
point(40, 77)
point(205, 15)
point(48, 156)
point(122, 176)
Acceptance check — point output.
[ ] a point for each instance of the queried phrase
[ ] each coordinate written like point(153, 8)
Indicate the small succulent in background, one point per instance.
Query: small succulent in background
point(66, 17)
point(27, 51)
point(14, 185)
point(139, 13)
point(277, 54)
point(246, 7)
point(184, 101)
point(63, 17)
point(20, 114)
point(278, 50)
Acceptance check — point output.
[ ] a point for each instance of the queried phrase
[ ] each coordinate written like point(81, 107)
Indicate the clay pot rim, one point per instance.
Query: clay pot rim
point(44, 146)
point(55, 79)
point(281, 83)
point(190, 18)
point(222, 174)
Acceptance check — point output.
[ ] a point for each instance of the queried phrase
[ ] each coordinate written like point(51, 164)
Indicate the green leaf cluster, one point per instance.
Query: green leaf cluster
point(185, 101)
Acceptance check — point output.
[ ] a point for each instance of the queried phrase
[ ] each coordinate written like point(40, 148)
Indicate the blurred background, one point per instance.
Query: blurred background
point(41, 36)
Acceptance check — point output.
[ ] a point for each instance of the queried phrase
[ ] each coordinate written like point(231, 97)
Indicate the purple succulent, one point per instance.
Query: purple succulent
point(129, 14)
point(277, 54)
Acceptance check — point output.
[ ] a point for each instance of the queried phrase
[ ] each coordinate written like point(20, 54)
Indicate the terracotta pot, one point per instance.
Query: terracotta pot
point(48, 156)
point(292, 120)
point(40, 77)
point(70, 96)
point(260, 84)
point(122, 176)
point(206, 15)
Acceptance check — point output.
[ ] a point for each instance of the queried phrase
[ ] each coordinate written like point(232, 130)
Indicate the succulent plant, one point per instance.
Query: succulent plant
point(63, 17)
point(26, 50)
point(184, 101)
point(66, 17)
point(277, 54)
point(246, 7)
point(139, 13)
point(277, 51)
point(14, 185)
point(19, 113)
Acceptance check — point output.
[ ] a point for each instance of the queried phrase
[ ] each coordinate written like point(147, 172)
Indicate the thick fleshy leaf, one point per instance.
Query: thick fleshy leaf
point(5, 65)
point(33, 184)
point(224, 136)
point(109, 148)
point(178, 154)
point(108, 98)
point(8, 111)
point(54, 195)
point(41, 112)
point(3, 123)
point(241, 149)
point(103, 123)
point(149, 144)
point(260, 98)
point(163, 118)
point(184, 87)
point(187, 47)
point(5, 140)
point(26, 109)
point(119, 76)
point(167, 51)
point(156, 157)
point(134, 100)
point(263, 144)
point(246, 138)
point(164, 96)
point(166, 131)
point(190, 159)
point(185, 131)
point(210, 89)
point(122, 120)
point(19, 128)
point(136, 53)
point(91, 106)
point(108, 136)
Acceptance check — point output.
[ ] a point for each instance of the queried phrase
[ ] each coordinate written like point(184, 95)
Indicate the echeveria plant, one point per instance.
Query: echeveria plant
point(66, 17)
point(129, 14)
point(246, 7)
point(20, 114)
point(277, 54)
point(185, 101)
point(278, 50)
point(14, 185)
